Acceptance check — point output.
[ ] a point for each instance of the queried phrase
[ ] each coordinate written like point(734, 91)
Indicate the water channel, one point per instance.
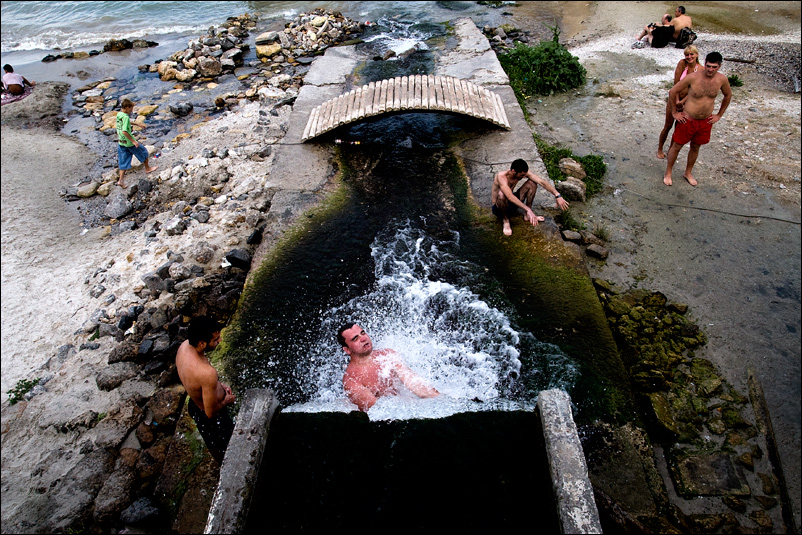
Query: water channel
point(402, 249)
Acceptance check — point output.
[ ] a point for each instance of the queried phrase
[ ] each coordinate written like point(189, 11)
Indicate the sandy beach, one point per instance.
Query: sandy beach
point(729, 248)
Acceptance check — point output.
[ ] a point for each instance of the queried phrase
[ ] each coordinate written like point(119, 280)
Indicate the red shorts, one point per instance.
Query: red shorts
point(695, 130)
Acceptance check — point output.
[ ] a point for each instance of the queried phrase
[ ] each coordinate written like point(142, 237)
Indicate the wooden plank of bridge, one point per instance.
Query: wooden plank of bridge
point(360, 110)
point(312, 120)
point(487, 101)
point(383, 97)
point(328, 115)
point(394, 94)
point(504, 121)
point(369, 99)
point(416, 92)
point(439, 93)
point(451, 97)
point(460, 96)
point(404, 93)
point(430, 85)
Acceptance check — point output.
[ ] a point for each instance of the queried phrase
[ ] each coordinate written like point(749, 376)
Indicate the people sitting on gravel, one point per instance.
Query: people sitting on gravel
point(127, 146)
point(686, 66)
point(516, 188)
point(14, 83)
point(656, 35)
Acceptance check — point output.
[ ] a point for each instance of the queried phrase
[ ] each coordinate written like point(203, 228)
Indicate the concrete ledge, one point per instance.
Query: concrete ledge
point(573, 493)
point(240, 469)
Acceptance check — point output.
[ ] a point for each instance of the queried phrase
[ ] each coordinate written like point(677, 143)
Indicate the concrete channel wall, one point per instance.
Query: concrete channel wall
point(308, 165)
point(573, 493)
point(242, 462)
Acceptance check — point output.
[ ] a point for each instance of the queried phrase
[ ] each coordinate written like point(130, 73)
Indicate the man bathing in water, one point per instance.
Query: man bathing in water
point(505, 202)
point(695, 121)
point(371, 373)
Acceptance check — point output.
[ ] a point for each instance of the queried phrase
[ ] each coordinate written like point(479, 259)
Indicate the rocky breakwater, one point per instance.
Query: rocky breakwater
point(718, 472)
point(93, 446)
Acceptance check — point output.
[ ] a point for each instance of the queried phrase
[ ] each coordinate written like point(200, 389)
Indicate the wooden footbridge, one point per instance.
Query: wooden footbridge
point(407, 93)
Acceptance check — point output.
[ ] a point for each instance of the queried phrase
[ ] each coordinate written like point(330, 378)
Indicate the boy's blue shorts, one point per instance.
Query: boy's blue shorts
point(124, 155)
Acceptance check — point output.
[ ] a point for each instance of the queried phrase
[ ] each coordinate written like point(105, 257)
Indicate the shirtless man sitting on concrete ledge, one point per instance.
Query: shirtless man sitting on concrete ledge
point(505, 202)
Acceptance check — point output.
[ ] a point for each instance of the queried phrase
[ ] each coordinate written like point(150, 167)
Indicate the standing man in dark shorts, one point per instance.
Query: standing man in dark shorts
point(696, 120)
point(210, 398)
point(505, 201)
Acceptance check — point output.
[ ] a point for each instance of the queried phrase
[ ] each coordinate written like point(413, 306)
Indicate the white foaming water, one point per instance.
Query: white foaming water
point(448, 335)
point(400, 37)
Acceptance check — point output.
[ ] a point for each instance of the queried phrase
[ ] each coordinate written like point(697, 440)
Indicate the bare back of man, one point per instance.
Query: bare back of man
point(200, 380)
point(680, 21)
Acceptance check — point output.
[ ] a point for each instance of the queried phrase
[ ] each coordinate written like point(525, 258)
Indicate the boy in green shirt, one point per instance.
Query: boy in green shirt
point(127, 146)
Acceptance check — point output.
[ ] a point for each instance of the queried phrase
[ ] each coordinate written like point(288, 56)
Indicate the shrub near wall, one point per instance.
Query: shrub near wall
point(543, 69)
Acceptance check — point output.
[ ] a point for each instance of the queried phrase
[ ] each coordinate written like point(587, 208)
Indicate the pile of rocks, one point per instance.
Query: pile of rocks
point(114, 45)
point(308, 35)
point(221, 50)
point(710, 433)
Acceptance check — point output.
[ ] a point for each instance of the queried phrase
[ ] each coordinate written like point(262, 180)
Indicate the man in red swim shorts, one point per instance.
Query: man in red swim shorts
point(696, 120)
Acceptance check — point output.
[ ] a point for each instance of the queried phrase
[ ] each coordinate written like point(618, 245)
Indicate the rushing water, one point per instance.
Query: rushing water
point(398, 260)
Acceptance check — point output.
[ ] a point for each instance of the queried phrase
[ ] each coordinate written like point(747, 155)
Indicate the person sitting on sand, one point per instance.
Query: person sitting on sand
point(371, 373)
point(685, 67)
point(13, 82)
point(516, 188)
point(657, 34)
point(127, 146)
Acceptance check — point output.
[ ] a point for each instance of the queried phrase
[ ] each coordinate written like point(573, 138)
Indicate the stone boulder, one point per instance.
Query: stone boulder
point(572, 189)
point(571, 167)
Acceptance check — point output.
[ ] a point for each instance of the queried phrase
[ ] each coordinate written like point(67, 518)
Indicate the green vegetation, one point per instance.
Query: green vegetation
point(601, 231)
point(543, 69)
point(567, 221)
point(22, 387)
point(735, 81)
point(593, 165)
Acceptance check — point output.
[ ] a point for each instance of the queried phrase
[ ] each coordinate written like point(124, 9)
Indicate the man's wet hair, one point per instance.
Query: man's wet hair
point(202, 329)
point(340, 337)
point(714, 57)
point(519, 166)
point(681, 9)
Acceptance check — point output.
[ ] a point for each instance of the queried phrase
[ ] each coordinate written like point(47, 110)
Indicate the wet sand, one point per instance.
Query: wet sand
point(729, 248)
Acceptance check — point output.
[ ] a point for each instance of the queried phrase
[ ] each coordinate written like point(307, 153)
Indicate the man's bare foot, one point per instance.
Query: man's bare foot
point(539, 218)
point(692, 181)
point(122, 185)
point(660, 154)
point(151, 169)
point(507, 229)
point(667, 180)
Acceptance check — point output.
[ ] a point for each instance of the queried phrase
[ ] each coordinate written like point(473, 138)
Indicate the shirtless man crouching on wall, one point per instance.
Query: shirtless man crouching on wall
point(505, 203)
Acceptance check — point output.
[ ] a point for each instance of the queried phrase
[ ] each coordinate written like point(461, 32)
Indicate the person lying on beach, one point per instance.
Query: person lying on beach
point(127, 146)
point(372, 373)
point(657, 34)
point(516, 188)
point(13, 82)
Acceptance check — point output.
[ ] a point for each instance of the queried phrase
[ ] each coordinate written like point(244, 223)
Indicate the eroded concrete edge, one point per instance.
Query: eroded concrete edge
point(240, 469)
point(573, 492)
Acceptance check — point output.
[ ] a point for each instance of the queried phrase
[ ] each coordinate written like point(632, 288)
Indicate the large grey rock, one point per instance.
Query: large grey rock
point(119, 206)
point(572, 189)
point(114, 374)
